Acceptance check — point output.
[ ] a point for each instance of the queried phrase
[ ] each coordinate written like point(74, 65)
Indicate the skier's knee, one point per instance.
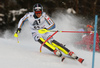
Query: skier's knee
point(37, 37)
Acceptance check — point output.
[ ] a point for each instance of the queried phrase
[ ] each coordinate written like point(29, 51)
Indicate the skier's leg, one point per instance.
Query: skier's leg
point(50, 47)
point(63, 49)
point(66, 50)
point(41, 39)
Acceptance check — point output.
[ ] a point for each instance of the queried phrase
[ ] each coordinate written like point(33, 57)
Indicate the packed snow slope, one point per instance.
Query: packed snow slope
point(25, 54)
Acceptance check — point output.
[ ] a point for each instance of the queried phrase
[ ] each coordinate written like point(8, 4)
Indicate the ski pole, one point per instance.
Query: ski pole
point(42, 31)
point(16, 35)
point(17, 40)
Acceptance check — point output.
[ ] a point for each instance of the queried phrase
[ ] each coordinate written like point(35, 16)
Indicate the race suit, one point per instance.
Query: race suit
point(35, 23)
point(42, 22)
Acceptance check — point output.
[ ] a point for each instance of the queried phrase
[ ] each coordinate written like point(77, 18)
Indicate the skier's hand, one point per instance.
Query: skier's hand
point(18, 31)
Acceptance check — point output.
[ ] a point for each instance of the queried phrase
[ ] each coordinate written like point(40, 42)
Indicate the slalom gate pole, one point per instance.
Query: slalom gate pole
point(94, 44)
point(44, 31)
point(76, 31)
point(47, 40)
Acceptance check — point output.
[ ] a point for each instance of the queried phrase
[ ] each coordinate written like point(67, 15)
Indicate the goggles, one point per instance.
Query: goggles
point(38, 12)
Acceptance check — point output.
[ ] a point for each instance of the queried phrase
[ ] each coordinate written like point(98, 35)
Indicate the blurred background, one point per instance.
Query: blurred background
point(12, 10)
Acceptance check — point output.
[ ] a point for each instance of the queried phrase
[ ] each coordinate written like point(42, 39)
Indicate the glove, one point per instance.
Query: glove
point(18, 31)
point(45, 28)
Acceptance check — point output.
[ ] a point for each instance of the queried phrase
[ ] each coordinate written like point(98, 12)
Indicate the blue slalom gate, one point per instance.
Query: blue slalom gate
point(94, 44)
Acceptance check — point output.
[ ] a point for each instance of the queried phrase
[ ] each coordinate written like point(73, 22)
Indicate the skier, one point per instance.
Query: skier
point(40, 20)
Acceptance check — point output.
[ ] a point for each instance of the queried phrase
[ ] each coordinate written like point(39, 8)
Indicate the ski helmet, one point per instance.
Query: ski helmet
point(37, 8)
point(90, 26)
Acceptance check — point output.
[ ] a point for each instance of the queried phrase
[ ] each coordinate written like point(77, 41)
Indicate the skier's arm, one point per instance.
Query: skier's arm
point(50, 22)
point(97, 38)
point(21, 22)
point(92, 37)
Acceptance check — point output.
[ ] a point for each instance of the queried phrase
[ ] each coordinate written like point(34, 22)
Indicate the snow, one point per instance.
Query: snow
point(25, 54)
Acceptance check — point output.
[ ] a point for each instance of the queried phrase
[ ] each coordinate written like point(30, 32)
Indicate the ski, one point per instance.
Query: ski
point(78, 59)
point(62, 59)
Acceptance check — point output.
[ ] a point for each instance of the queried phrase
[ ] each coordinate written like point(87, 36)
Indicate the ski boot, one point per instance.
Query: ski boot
point(57, 53)
point(73, 55)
